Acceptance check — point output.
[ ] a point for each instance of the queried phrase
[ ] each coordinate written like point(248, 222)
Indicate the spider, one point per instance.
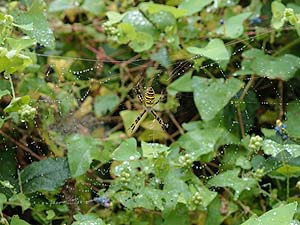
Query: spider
point(147, 99)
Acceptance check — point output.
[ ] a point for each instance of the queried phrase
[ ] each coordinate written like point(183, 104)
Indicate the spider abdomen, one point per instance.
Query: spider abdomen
point(149, 97)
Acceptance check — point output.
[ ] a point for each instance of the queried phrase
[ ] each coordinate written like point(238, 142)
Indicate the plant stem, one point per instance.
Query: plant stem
point(12, 87)
point(286, 47)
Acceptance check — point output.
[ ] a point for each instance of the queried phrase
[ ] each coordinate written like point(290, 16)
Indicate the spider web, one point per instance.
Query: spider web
point(95, 71)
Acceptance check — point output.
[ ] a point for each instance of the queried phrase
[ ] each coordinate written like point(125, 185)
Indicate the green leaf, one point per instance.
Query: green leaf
point(114, 17)
point(31, 83)
point(105, 104)
point(282, 215)
point(161, 57)
point(230, 179)
point(293, 119)
point(214, 50)
point(182, 84)
point(151, 150)
point(233, 27)
point(200, 142)
point(19, 44)
point(12, 61)
point(163, 20)
point(87, 219)
point(142, 42)
point(41, 31)
point(17, 103)
point(127, 150)
point(3, 93)
point(20, 200)
point(207, 196)
point(256, 62)
point(278, 14)
point(178, 216)
point(155, 8)
point(3, 199)
point(192, 6)
point(61, 5)
point(273, 148)
point(212, 95)
point(50, 214)
point(16, 221)
point(95, 7)
point(140, 23)
point(82, 150)
point(126, 33)
point(45, 175)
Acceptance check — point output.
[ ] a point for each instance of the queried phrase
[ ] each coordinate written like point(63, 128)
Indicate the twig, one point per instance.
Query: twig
point(20, 145)
point(181, 131)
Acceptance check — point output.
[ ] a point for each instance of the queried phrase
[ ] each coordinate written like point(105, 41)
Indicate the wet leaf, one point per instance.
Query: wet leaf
point(293, 119)
point(233, 27)
point(282, 215)
point(192, 6)
point(126, 151)
point(182, 84)
point(214, 50)
point(151, 150)
point(106, 103)
point(41, 31)
point(230, 179)
point(45, 175)
point(82, 150)
point(87, 219)
point(155, 8)
point(257, 62)
point(273, 148)
point(212, 95)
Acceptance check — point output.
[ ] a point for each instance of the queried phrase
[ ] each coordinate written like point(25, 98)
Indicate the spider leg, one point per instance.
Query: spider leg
point(137, 121)
point(163, 125)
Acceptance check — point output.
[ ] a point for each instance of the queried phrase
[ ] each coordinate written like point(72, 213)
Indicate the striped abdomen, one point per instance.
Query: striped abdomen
point(149, 97)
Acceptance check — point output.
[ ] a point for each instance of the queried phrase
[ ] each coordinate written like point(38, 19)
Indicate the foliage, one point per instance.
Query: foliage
point(228, 74)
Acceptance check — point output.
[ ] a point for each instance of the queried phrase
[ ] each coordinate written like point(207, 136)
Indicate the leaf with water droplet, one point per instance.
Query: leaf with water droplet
point(293, 119)
point(257, 62)
point(192, 6)
point(45, 175)
point(230, 179)
point(151, 149)
point(233, 26)
point(41, 31)
point(155, 8)
point(273, 148)
point(212, 95)
point(214, 50)
point(182, 84)
point(127, 150)
point(82, 150)
point(282, 215)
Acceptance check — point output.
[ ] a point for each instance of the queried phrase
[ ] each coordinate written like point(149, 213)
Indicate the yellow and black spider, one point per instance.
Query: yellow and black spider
point(147, 99)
